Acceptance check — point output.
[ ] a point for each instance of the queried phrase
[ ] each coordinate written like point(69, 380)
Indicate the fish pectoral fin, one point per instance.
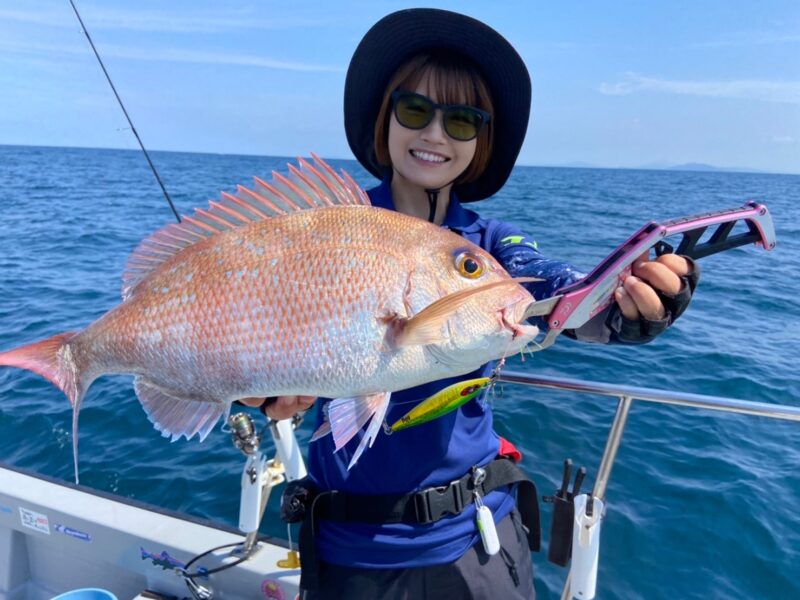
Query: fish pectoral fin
point(348, 415)
point(402, 331)
point(176, 416)
point(426, 327)
point(399, 335)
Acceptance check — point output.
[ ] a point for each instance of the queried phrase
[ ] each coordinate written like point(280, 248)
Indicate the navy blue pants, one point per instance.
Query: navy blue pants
point(475, 576)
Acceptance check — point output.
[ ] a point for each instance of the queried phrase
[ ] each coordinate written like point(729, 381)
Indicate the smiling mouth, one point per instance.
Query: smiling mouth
point(428, 156)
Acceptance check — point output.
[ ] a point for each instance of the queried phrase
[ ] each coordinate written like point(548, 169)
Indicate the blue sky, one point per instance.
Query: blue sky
point(615, 83)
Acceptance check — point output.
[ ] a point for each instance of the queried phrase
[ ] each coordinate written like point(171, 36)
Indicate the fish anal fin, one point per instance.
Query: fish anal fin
point(176, 416)
point(321, 431)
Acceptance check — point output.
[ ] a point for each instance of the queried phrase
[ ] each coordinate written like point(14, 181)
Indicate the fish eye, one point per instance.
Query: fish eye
point(469, 265)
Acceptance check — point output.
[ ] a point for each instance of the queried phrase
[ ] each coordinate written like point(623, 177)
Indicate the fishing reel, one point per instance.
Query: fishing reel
point(243, 433)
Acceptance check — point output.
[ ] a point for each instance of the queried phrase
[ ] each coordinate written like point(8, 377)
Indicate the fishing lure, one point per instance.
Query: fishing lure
point(441, 403)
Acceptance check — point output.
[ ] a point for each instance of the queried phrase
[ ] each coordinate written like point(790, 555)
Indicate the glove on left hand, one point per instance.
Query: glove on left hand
point(642, 330)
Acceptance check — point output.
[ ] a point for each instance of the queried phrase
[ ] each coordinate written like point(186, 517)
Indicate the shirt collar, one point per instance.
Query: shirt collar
point(457, 218)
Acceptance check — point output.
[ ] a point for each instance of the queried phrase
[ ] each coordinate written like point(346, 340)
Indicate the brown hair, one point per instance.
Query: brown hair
point(455, 80)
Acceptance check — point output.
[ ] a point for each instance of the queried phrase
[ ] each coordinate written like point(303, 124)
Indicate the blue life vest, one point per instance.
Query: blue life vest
point(436, 452)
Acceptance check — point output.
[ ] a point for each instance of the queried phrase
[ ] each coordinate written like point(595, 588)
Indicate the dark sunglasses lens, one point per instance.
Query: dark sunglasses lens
point(412, 111)
point(462, 123)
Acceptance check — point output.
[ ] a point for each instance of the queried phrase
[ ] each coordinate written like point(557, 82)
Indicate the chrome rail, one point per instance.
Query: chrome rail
point(627, 394)
point(762, 409)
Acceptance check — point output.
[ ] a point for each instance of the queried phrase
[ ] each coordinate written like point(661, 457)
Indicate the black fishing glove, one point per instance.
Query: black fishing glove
point(642, 330)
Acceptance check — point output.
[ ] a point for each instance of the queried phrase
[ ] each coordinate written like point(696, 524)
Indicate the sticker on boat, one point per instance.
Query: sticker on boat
point(79, 535)
point(34, 520)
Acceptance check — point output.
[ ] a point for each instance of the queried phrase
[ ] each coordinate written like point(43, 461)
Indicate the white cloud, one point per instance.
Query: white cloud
point(216, 58)
point(162, 54)
point(769, 91)
point(783, 139)
point(159, 21)
point(751, 38)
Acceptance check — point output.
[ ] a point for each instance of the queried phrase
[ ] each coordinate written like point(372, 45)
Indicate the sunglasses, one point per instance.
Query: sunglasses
point(415, 111)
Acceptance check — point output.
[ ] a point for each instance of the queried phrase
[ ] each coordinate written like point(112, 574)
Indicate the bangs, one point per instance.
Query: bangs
point(448, 79)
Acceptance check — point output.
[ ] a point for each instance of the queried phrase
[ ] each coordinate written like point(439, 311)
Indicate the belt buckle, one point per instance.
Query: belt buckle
point(435, 502)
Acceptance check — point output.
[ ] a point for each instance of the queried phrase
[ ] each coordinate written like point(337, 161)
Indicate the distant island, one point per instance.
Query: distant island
point(660, 166)
point(578, 164)
point(705, 167)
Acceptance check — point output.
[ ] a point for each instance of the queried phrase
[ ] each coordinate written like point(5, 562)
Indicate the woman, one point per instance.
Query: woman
point(436, 106)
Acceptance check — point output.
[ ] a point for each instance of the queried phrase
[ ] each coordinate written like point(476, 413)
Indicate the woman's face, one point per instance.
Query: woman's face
point(428, 157)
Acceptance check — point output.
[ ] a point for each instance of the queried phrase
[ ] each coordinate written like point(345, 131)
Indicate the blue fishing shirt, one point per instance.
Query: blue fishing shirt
point(434, 453)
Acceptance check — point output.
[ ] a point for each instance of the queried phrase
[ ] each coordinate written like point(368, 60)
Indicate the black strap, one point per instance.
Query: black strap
point(430, 505)
point(309, 571)
point(419, 508)
point(433, 198)
point(528, 507)
point(423, 507)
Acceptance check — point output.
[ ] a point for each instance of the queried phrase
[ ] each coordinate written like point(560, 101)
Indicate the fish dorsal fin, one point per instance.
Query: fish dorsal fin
point(305, 186)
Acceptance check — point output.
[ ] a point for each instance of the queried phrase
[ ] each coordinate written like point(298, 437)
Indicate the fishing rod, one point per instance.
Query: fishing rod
point(122, 106)
point(259, 475)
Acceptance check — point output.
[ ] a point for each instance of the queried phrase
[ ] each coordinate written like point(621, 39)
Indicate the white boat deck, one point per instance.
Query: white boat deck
point(56, 537)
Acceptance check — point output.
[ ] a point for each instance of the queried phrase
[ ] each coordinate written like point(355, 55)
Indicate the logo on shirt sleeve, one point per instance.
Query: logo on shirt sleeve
point(518, 239)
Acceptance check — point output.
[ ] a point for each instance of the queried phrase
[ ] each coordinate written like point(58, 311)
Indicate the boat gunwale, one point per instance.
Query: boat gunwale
point(142, 505)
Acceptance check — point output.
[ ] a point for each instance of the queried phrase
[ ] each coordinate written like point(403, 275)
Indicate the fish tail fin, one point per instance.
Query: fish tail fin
point(53, 359)
point(50, 358)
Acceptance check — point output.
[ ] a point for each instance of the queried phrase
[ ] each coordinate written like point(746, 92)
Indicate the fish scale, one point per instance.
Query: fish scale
point(247, 345)
point(298, 287)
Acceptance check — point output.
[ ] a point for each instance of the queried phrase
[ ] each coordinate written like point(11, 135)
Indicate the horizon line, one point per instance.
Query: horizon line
point(676, 168)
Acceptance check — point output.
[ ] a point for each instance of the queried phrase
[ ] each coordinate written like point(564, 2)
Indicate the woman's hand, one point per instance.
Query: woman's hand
point(282, 407)
point(637, 295)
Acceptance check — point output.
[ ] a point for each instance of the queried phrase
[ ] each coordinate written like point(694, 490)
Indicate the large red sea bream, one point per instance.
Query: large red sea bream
point(297, 286)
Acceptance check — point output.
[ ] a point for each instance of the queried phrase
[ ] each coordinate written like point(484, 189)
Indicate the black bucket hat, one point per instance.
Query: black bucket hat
point(397, 38)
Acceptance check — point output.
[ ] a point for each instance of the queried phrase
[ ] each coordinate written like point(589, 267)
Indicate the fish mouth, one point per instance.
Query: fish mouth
point(514, 319)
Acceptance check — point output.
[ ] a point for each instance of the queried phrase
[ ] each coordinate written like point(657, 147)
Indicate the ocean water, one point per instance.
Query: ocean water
point(700, 504)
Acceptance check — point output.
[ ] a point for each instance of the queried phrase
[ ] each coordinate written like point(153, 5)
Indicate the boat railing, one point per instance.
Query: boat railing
point(626, 394)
